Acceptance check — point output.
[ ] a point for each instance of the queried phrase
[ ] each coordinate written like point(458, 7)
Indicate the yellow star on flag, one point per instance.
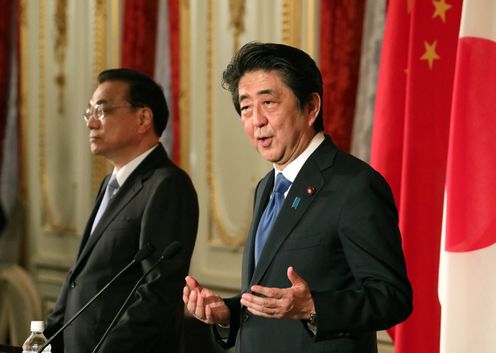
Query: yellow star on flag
point(440, 9)
point(430, 53)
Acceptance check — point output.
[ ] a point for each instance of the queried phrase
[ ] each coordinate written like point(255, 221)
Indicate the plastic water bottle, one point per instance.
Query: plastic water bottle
point(36, 339)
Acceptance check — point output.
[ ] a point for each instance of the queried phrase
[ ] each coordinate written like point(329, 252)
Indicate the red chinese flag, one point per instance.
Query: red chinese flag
point(409, 146)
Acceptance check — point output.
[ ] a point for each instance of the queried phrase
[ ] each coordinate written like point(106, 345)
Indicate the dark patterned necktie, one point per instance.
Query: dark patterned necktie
point(270, 214)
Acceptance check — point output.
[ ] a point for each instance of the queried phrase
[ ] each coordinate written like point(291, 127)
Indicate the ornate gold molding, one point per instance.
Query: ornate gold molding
point(60, 47)
point(184, 97)
point(48, 219)
point(311, 28)
point(232, 240)
point(99, 165)
point(237, 14)
point(23, 118)
point(291, 22)
point(116, 39)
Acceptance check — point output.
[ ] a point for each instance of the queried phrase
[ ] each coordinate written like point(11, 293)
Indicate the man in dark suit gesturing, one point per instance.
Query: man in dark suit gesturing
point(147, 199)
point(323, 267)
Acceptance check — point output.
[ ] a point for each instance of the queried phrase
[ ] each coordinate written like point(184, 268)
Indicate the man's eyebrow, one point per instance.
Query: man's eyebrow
point(262, 91)
point(266, 91)
point(98, 102)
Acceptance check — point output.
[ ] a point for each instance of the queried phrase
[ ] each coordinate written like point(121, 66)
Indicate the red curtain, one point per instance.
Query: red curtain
point(140, 35)
point(341, 25)
point(6, 21)
point(139, 48)
point(9, 122)
point(174, 26)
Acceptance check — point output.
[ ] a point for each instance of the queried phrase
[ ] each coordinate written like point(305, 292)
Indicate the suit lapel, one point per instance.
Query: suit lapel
point(131, 187)
point(87, 230)
point(295, 205)
point(115, 206)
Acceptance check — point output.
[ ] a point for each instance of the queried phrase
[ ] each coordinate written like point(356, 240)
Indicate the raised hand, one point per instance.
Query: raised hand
point(294, 302)
point(204, 304)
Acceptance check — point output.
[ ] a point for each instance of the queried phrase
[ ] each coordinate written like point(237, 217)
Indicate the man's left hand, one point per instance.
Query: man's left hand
point(294, 302)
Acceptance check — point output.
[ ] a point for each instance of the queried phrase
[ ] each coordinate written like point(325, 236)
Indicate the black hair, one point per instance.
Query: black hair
point(143, 92)
point(296, 68)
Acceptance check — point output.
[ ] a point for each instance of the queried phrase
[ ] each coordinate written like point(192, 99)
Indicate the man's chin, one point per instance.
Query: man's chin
point(269, 157)
point(95, 151)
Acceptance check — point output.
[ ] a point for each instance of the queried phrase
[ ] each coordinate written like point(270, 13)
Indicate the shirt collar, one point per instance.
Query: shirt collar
point(123, 173)
point(293, 168)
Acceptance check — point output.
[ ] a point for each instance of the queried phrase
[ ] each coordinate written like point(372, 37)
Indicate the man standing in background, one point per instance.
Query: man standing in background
point(147, 199)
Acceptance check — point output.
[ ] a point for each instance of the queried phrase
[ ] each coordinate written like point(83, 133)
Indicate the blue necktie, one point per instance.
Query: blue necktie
point(112, 187)
point(270, 214)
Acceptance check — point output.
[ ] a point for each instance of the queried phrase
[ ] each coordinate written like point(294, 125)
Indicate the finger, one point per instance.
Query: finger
point(200, 308)
point(208, 314)
point(268, 307)
point(295, 278)
point(254, 308)
point(258, 312)
point(263, 311)
point(193, 283)
point(191, 304)
point(253, 299)
point(264, 301)
point(265, 305)
point(186, 293)
point(268, 291)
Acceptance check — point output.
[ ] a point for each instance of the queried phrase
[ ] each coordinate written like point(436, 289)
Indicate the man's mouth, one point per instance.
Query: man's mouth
point(264, 140)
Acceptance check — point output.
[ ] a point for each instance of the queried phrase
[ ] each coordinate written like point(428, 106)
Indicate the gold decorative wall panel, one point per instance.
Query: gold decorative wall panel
point(50, 223)
point(184, 95)
point(230, 234)
point(291, 22)
point(237, 20)
point(60, 48)
point(100, 166)
point(64, 44)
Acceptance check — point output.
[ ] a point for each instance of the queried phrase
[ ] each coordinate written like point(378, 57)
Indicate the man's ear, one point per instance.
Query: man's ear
point(312, 107)
point(145, 117)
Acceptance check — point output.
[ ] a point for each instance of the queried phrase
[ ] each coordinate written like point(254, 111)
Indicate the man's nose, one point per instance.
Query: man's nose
point(259, 118)
point(93, 122)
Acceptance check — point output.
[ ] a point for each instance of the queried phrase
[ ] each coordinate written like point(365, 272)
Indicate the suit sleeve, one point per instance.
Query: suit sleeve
point(55, 320)
point(371, 241)
point(229, 340)
point(170, 214)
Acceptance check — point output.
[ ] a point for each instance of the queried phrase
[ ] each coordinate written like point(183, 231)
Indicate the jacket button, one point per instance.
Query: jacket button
point(73, 284)
point(246, 316)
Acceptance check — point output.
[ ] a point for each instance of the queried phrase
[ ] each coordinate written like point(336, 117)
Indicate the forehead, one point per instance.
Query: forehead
point(110, 91)
point(260, 82)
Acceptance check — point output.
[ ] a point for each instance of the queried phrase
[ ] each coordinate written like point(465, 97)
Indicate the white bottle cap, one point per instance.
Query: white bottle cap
point(37, 326)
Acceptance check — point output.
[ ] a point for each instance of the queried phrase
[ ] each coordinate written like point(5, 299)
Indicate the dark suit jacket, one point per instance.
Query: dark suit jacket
point(156, 204)
point(344, 241)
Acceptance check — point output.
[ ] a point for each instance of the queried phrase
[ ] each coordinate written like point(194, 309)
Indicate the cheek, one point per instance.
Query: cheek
point(248, 127)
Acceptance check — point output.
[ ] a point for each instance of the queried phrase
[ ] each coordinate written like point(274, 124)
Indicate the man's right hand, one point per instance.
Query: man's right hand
point(204, 304)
